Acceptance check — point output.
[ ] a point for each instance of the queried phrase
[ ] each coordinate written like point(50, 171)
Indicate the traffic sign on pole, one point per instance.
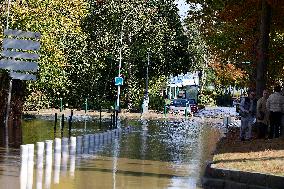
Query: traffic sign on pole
point(118, 81)
point(21, 47)
point(22, 76)
point(16, 65)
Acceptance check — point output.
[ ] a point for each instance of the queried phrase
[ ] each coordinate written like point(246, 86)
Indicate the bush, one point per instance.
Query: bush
point(207, 99)
point(156, 103)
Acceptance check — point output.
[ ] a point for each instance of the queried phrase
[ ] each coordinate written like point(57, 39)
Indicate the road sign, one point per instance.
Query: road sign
point(21, 44)
point(16, 65)
point(19, 52)
point(22, 34)
point(21, 55)
point(22, 76)
point(118, 81)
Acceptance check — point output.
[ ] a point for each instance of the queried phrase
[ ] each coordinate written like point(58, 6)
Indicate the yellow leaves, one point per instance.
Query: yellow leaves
point(62, 14)
point(227, 74)
point(53, 19)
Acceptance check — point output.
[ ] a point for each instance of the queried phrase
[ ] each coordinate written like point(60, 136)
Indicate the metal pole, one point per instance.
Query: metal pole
point(100, 117)
point(61, 105)
point(165, 111)
point(55, 121)
point(8, 14)
point(147, 78)
point(120, 57)
point(11, 81)
point(86, 105)
point(146, 97)
point(185, 111)
point(119, 67)
point(62, 124)
point(9, 102)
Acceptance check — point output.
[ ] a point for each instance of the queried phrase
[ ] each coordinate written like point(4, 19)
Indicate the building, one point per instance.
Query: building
point(183, 86)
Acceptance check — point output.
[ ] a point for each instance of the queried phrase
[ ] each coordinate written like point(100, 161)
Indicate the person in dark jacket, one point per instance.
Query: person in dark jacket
point(248, 115)
point(262, 115)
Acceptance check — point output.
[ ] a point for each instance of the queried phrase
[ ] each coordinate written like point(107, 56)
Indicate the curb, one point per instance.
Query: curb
point(234, 179)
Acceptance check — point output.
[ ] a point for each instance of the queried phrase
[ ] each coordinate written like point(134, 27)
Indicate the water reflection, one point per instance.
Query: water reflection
point(146, 155)
point(39, 164)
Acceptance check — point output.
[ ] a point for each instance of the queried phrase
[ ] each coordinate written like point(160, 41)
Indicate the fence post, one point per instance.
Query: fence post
point(100, 117)
point(86, 105)
point(62, 124)
point(61, 105)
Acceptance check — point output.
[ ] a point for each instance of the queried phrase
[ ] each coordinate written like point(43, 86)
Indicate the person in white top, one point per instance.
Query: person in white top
point(275, 106)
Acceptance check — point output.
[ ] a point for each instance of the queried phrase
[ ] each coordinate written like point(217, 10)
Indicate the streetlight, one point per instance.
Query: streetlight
point(119, 81)
point(146, 96)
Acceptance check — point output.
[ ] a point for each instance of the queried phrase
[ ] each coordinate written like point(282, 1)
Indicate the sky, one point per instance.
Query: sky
point(183, 8)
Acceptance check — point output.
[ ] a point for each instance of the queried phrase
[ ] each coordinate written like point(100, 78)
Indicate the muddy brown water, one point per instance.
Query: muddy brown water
point(155, 154)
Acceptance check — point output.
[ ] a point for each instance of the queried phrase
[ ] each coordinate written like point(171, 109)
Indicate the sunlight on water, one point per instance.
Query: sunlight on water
point(142, 154)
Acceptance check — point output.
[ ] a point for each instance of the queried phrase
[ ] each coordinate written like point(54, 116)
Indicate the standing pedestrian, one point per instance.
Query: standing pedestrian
point(262, 117)
point(247, 113)
point(275, 106)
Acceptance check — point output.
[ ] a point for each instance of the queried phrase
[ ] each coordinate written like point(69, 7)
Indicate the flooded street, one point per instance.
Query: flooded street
point(143, 154)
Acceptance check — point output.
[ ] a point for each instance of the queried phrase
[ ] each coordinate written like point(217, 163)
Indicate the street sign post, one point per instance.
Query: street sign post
point(118, 81)
point(20, 55)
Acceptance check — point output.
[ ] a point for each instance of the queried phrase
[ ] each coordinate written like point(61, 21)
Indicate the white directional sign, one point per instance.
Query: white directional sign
point(20, 53)
point(21, 44)
point(16, 65)
point(22, 34)
point(21, 76)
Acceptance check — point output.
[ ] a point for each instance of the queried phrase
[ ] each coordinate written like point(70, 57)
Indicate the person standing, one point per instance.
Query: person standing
point(275, 106)
point(247, 113)
point(262, 115)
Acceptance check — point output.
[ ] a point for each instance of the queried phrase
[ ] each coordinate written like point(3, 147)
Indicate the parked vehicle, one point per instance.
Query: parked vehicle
point(182, 105)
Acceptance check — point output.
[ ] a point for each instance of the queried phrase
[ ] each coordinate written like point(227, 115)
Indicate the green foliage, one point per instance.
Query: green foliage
point(156, 86)
point(80, 47)
point(207, 98)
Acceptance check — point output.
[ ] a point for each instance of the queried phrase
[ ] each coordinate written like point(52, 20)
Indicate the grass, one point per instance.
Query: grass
point(258, 155)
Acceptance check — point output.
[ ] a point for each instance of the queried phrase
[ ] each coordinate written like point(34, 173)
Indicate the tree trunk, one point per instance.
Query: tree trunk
point(262, 57)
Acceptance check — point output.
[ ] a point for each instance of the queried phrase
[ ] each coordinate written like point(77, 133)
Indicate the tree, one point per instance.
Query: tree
point(238, 31)
point(80, 47)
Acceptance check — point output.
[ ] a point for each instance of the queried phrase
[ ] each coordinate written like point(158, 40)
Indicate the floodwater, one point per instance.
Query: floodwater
point(145, 154)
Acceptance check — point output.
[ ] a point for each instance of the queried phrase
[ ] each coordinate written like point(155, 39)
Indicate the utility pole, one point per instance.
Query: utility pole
point(146, 96)
point(11, 81)
point(117, 108)
point(147, 77)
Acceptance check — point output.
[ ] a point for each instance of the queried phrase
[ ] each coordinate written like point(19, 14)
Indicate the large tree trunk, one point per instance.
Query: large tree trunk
point(263, 48)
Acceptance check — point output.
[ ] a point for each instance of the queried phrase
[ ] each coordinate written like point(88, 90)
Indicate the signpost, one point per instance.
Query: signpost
point(20, 53)
point(20, 56)
point(118, 81)
point(145, 104)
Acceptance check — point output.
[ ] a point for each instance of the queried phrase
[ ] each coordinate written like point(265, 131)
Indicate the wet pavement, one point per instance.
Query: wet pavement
point(145, 154)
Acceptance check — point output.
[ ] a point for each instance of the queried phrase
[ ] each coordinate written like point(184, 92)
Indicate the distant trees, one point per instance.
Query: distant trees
point(241, 32)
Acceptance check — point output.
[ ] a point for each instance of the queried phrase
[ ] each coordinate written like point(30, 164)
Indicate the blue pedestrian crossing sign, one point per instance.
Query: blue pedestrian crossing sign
point(118, 81)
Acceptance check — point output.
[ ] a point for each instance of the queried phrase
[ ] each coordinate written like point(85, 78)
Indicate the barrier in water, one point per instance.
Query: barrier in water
point(39, 164)
point(48, 163)
point(64, 149)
